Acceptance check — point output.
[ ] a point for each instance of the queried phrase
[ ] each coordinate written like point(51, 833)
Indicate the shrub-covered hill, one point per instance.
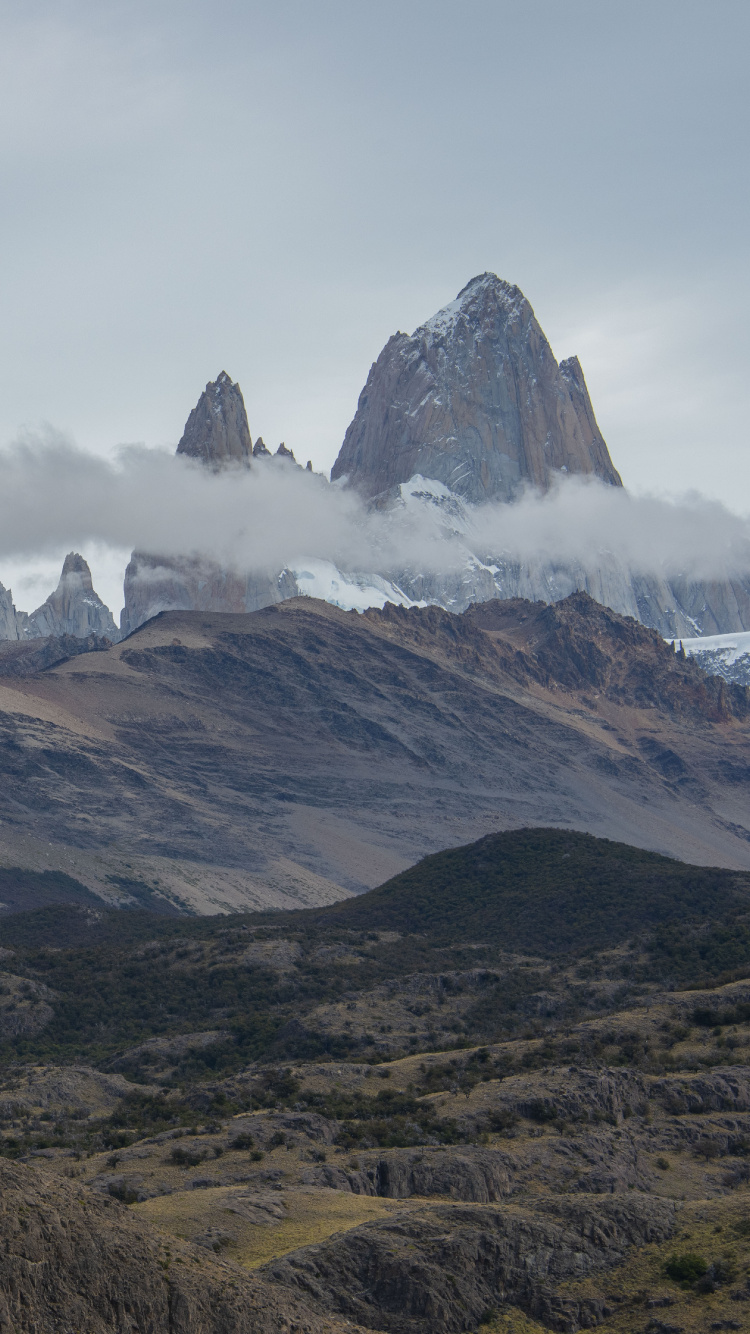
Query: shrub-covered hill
point(87, 985)
point(542, 891)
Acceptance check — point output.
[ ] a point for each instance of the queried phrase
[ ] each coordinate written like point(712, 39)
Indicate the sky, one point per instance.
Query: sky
point(274, 188)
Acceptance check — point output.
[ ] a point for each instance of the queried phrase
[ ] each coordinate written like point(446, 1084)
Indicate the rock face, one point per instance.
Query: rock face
point(472, 407)
point(441, 1270)
point(72, 1260)
point(216, 431)
point(216, 434)
point(9, 617)
point(474, 399)
point(74, 608)
point(161, 583)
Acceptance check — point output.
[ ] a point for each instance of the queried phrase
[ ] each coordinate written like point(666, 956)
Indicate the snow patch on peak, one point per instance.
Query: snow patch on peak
point(720, 655)
point(731, 647)
point(445, 320)
point(352, 592)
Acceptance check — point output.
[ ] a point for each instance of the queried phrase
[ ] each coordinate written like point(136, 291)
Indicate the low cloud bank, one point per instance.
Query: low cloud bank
point(54, 496)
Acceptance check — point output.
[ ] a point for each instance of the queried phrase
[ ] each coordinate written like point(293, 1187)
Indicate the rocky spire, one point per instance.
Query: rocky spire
point(10, 619)
point(74, 608)
point(216, 432)
point(475, 399)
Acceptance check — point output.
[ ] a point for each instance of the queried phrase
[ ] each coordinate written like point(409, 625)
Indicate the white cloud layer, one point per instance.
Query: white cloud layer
point(55, 497)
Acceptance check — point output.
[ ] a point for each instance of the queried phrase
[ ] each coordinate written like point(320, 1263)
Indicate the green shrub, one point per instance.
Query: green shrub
point(686, 1268)
point(243, 1141)
point(187, 1157)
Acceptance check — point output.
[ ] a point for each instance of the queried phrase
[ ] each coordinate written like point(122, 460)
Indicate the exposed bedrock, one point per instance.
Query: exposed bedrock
point(438, 1270)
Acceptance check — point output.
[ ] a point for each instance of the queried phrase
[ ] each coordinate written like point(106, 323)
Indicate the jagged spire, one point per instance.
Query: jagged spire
point(74, 608)
point(216, 432)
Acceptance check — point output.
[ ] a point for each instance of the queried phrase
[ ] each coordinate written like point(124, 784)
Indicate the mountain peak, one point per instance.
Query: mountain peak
point(216, 432)
point(482, 296)
point(474, 399)
point(74, 608)
point(75, 565)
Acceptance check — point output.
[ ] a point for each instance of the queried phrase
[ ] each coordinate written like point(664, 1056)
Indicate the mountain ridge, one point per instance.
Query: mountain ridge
point(302, 753)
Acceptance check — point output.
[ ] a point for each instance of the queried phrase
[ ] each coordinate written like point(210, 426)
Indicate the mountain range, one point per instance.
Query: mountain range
point(472, 408)
point(213, 762)
point(379, 969)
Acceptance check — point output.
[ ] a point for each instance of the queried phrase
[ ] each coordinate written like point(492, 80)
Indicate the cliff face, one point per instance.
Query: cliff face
point(160, 583)
point(9, 618)
point(216, 432)
point(74, 608)
point(474, 399)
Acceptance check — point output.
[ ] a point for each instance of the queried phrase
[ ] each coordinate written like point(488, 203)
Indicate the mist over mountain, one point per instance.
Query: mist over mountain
point(73, 608)
point(473, 469)
point(483, 474)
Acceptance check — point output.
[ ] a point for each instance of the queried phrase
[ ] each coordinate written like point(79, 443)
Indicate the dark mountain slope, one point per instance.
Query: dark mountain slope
point(543, 891)
point(286, 757)
point(113, 980)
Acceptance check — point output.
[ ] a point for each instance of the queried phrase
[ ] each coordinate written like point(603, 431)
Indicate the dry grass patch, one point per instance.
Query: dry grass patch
point(218, 1216)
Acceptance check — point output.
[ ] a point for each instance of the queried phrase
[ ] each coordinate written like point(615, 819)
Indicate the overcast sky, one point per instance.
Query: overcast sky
point(275, 188)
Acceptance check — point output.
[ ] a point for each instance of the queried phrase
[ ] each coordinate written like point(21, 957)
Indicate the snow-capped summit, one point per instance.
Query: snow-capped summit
point(475, 399)
point(475, 293)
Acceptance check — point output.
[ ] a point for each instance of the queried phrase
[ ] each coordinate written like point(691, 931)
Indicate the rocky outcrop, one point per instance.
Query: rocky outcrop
point(26, 657)
point(438, 1270)
point(74, 608)
point(216, 434)
point(474, 399)
point(216, 431)
point(72, 1259)
point(480, 1176)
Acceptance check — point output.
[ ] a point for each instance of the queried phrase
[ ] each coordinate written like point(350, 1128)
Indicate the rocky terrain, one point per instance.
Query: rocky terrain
point(474, 399)
point(420, 1110)
point(299, 754)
